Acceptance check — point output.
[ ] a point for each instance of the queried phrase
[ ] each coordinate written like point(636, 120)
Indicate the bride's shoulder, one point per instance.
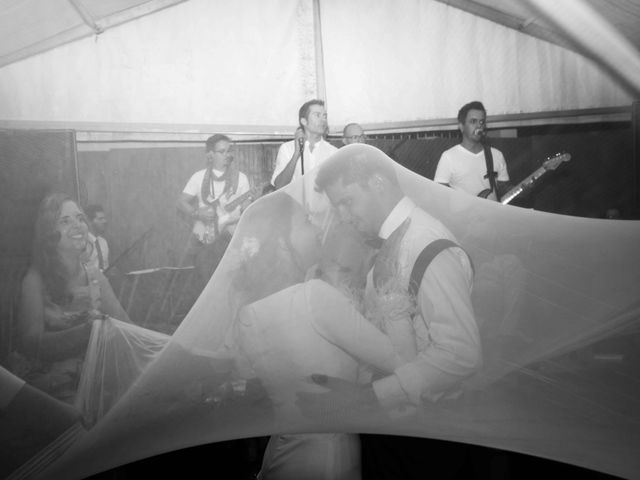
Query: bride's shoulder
point(317, 284)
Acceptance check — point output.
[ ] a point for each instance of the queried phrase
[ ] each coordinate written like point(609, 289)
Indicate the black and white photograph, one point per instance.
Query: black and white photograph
point(319, 239)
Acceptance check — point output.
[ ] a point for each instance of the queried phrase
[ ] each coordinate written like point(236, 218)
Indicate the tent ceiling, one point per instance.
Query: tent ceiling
point(28, 27)
point(118, 88)
point(623, 15)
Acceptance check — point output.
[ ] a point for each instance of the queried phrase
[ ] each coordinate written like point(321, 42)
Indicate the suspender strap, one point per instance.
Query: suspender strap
point(424, 259)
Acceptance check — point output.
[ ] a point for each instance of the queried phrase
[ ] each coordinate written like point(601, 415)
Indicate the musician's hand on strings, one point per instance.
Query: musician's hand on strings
point(206, 214)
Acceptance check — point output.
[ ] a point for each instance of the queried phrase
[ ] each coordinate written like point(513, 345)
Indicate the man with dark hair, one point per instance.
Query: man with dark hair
point(308, 145)
point(353, 133)
point(362, 186)
point(99, 248)
point(464, 166)
point(206, 199)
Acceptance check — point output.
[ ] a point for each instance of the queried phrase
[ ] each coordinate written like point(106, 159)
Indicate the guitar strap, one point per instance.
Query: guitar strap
point(424, 259)
point(231, 177)
point(488, 158)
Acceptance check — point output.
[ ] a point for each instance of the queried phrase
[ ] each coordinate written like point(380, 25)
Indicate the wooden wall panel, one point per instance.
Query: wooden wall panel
point(32, 164)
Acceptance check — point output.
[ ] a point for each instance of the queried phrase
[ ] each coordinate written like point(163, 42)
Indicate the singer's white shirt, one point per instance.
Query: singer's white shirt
point(465, 170)
point(312, 159)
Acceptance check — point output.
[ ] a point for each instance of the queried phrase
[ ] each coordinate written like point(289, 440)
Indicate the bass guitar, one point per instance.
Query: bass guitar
point(206, 231)
point(551, 163)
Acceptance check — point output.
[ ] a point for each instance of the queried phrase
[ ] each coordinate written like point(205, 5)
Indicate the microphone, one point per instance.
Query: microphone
point(482, 133)
point(301, 145)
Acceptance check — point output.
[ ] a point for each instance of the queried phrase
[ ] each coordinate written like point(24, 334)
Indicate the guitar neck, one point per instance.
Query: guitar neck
point(237, 201)
point(520, 187)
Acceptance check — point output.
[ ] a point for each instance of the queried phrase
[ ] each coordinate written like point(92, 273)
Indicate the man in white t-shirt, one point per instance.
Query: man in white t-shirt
point(463, 167)
point(211, 200)
point(308, 148)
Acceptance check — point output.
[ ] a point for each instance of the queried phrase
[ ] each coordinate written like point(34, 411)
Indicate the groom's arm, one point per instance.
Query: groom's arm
point(454, 350)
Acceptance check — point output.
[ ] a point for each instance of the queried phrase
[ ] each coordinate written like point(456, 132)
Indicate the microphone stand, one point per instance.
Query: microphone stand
point(304, 196)
point(301, 144)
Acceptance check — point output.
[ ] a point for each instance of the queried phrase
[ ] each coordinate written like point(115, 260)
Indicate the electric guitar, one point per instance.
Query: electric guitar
point(551, 163)
point(206, 231)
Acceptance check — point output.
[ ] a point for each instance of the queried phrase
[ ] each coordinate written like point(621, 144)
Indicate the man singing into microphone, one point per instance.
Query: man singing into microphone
point(464, 166)
point(308, 149)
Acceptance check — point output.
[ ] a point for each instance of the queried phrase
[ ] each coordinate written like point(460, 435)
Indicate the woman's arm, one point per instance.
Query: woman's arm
point(109, 302)
point(336, 319)
point(35, 340)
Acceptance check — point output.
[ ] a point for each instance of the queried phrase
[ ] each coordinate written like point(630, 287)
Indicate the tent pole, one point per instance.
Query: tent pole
point(635, 127)
point(317, 33)
point(86, 17)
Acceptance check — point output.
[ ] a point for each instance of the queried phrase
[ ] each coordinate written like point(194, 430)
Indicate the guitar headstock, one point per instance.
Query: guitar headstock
point(554, 161)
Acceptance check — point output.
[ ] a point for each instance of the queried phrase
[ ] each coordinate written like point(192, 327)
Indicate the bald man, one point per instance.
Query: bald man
point(353, 133)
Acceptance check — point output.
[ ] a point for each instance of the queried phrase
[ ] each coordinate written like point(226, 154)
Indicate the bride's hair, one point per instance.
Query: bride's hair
point(259, 240)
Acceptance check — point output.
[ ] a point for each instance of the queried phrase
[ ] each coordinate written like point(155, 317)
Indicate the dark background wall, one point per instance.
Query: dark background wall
point(32, 163)
point(139, 186)
point(599, 175)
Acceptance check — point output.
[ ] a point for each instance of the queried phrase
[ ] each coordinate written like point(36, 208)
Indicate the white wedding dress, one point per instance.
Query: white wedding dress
point(306, 329)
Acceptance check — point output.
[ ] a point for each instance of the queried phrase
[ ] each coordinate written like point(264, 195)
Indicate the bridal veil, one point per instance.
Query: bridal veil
point(546, 289)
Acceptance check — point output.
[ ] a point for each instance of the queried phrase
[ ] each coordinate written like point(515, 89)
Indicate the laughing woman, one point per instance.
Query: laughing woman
point(60, 298)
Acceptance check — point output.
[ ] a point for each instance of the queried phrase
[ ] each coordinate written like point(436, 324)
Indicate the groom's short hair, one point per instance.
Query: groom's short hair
point(356, 163)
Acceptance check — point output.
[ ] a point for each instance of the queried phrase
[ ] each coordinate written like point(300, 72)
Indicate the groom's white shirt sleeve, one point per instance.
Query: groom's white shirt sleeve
point(448, 344)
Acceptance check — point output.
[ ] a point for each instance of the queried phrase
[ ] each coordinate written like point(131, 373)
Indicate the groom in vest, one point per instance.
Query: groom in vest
point(362, 186)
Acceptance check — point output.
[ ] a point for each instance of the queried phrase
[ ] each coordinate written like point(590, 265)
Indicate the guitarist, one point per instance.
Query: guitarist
point(203, 200)
point(465, 166)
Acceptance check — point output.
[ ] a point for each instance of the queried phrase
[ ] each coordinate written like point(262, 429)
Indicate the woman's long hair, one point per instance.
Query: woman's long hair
point(264, 231)
point(44, 255)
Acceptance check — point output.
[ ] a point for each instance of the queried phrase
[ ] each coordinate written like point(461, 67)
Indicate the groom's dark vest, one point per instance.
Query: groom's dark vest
point(385, 265)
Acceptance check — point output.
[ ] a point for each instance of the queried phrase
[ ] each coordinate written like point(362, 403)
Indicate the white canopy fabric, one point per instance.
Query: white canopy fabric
point(247, 66)
point(28, 27)
point(544, 285)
